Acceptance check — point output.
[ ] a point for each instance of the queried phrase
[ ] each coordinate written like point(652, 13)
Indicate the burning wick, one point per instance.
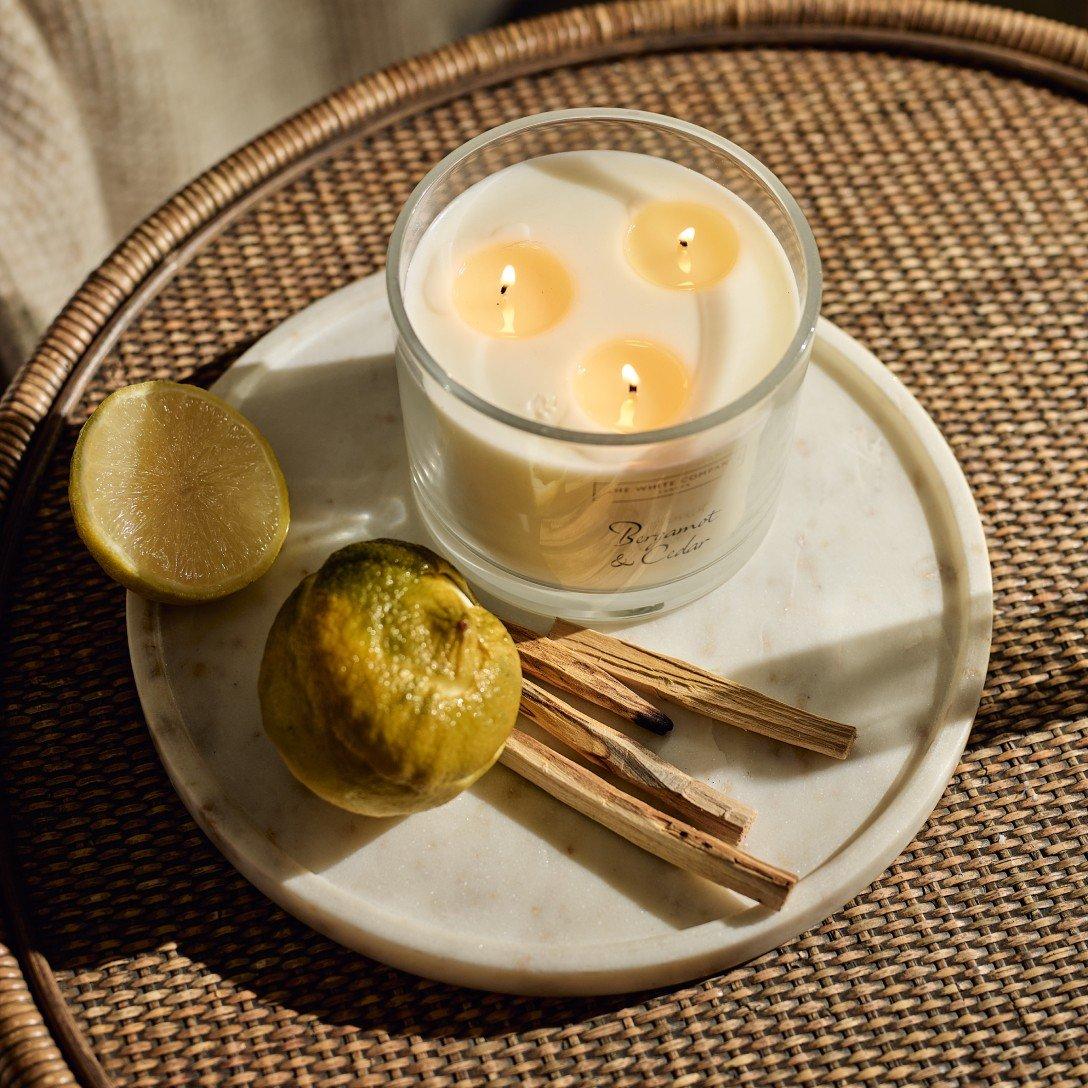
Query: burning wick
point(626, 419)
point(686, 237)
point(507, 278)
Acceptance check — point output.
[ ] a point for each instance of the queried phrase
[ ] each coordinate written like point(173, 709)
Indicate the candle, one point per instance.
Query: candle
point(631, 384)
point(682, 244)
point(512, 290)
point(657, 299)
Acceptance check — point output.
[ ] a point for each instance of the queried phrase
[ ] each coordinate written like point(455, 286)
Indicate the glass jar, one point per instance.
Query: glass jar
point(584, 524)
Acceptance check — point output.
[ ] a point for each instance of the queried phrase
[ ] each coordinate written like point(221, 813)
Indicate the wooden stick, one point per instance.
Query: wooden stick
point(713, 696)
point(693, 801)
point(666, 836)
point(555, 664)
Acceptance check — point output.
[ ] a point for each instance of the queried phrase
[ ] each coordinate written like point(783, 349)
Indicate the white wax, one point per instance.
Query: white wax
point(579, 204)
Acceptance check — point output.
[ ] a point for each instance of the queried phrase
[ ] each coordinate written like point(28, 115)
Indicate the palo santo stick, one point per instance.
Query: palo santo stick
point(693, 801)
point(666, 836)
point(713, 696)
point(555, 664)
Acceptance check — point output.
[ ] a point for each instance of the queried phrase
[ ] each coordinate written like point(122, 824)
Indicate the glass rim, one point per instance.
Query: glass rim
point(789, 361)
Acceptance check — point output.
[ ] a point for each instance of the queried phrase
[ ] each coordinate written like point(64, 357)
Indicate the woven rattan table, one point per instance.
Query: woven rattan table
point(941, 153)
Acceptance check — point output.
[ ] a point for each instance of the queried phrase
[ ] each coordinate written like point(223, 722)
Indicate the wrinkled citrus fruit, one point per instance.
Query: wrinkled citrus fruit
point(386, 688)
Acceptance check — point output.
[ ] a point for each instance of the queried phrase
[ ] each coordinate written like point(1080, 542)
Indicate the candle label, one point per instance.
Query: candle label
point(639, 539)
point(638, 545)
point(662, 487)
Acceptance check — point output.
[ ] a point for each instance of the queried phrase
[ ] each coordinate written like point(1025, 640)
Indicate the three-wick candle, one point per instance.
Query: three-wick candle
point(593, 292)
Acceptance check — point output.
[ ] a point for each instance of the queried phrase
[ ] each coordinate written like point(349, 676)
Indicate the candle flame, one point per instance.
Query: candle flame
point(626, 420)
point(507, 278)
point(687, 236)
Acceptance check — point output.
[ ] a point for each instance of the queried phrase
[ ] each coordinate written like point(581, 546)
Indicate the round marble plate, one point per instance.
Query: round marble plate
point(869, 602)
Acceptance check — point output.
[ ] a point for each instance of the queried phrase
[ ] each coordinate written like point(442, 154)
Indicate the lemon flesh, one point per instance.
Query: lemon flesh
point(177, 495)
point(385, 687)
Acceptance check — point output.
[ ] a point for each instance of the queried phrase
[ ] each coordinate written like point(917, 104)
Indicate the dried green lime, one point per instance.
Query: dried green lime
point(385, 686)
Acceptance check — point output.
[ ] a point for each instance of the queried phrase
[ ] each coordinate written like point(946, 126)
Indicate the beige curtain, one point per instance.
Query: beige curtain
point(108, 106)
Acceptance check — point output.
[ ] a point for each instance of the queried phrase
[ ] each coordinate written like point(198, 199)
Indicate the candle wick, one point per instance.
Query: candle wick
point(687, 235)
point(632, 389)
point(502, 289)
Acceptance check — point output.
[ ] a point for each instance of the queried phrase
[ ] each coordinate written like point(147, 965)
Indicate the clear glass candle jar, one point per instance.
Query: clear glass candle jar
point(593, 525)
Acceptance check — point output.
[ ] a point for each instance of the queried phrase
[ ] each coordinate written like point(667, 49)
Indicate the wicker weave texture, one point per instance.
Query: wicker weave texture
point(951, 207)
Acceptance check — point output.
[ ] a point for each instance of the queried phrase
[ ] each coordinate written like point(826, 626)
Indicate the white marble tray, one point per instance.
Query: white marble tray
point(869, 602)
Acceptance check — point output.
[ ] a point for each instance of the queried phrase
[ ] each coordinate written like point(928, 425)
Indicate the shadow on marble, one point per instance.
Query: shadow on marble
point(333, 500)
point(682, 903)
point(840, 679)
point(837, 680)
point(349, 397)
point(337, 833)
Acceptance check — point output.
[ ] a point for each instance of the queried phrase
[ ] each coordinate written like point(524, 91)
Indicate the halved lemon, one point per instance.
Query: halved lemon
point(178, 496)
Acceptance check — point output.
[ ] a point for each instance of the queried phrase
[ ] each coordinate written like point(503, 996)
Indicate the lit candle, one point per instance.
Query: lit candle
point(631, 384)
point(682, 244)
point(627, 314)
point(512, 290)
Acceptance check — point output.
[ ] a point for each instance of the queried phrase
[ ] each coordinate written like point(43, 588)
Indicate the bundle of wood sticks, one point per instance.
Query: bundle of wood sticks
point(686, 822)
